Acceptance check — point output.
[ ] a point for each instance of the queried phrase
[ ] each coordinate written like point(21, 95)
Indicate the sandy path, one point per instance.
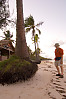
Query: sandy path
point(35, 88)
point(43, 85)
point(57, 86)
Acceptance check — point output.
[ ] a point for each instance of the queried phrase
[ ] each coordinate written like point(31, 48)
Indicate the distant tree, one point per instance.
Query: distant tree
point(30, 25)
point(4, 13)
point(36, 40)
point(7, 35)
point(37, 45)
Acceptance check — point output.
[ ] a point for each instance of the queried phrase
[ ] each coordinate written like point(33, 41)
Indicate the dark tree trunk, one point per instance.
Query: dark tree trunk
point(21, 45)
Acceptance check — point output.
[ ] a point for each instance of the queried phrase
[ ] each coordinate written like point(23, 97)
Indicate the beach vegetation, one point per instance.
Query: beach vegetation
point(15, 69)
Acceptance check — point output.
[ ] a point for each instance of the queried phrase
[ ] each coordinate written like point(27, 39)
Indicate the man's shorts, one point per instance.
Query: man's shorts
point(58, 63)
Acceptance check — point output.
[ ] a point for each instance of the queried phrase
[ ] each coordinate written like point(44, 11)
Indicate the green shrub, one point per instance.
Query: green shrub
point(15, 69)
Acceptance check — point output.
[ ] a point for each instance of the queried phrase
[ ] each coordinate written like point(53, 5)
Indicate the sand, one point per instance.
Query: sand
point(43, 85)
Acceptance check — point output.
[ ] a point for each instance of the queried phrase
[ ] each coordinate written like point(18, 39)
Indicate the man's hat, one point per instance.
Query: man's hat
point(56, 44)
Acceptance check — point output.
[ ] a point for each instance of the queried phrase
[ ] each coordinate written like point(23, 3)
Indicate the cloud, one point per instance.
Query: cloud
point(61, 42)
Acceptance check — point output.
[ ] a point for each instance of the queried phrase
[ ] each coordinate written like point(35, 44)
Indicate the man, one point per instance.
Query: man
point(59, 59)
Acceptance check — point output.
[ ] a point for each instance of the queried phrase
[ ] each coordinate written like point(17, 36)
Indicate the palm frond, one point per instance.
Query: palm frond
point(27, 30)
point(11, 36)
point(29, 21)
point(39, 24)
point(12, 41)
point(38, 30)
point(2, 36)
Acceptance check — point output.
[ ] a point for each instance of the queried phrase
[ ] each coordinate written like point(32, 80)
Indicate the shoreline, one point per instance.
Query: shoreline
point(52, 61)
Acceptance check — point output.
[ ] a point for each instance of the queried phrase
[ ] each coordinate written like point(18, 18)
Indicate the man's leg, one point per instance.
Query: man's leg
point(58, 69)
point(56, 65)
point(61, 70)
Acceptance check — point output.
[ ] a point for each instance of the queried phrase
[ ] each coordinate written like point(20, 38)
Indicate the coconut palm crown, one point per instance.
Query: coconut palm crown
point(30, 24)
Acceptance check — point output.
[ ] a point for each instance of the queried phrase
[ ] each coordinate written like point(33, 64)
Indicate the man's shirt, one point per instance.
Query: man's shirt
point(58, 52)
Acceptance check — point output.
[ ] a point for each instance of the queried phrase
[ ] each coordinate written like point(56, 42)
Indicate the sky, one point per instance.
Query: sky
point(53, 30)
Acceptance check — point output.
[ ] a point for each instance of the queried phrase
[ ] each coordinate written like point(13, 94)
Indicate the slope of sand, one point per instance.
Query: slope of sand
point(43, 85)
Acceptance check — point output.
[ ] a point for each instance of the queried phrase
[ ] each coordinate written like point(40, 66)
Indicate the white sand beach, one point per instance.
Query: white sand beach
point(43, 85)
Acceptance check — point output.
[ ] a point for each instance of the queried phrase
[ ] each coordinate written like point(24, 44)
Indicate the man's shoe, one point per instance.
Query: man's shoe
point(61, 76)
point(58, 75)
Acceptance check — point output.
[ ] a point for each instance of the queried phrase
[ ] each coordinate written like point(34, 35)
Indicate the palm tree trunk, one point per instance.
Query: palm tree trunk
point(35, 50)
point(35, 47)
point(21, 45)
point(38, 58)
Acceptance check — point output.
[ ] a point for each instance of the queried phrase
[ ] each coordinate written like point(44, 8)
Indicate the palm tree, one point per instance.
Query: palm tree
point(36, 40)
point(30, 25)
point(7, 38)
point(7, 42)
point(7, 35)
point(37, 46)
point(21, 45)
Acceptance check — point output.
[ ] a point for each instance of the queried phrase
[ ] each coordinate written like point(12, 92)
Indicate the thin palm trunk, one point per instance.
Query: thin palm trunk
point(35, 48)
point(38, 51)
point(21, 45)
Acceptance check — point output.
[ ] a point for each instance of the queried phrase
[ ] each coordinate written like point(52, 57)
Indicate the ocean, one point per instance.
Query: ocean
point(64, 61)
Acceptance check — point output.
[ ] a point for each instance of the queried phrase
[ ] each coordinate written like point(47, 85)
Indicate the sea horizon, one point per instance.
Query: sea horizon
point(64, 61)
